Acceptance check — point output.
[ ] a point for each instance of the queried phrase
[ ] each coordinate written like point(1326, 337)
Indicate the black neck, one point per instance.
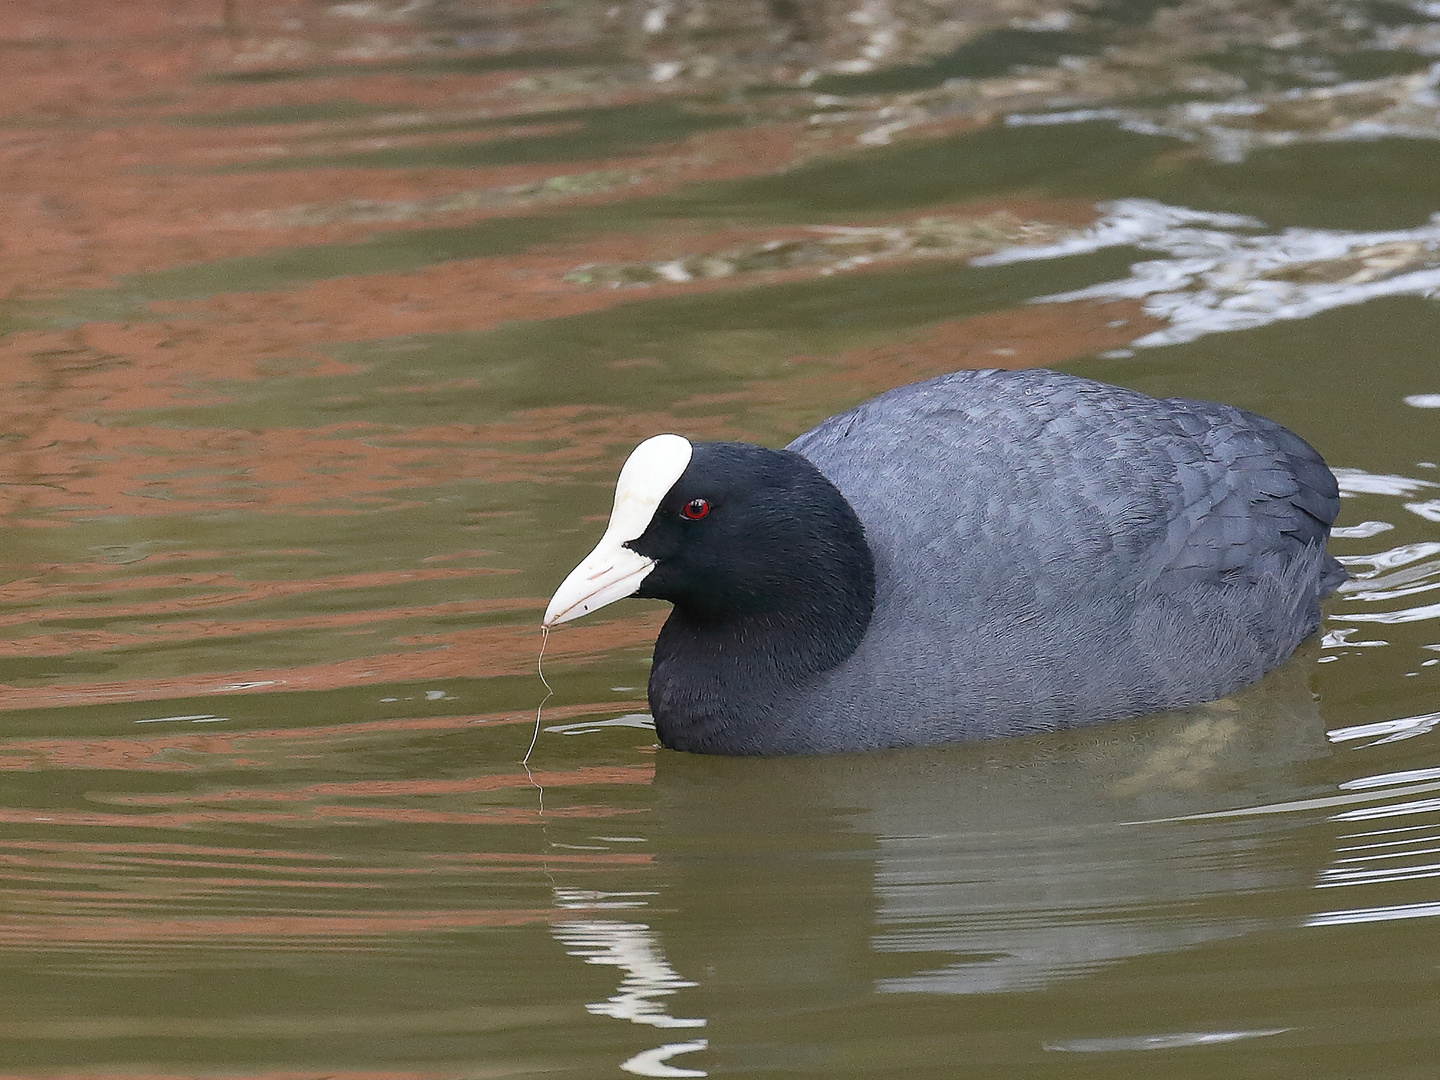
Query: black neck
point(728, 683)
point(772, 585)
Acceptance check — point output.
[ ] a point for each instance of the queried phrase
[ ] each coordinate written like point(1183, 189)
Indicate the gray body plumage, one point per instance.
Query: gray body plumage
point(1051, 551)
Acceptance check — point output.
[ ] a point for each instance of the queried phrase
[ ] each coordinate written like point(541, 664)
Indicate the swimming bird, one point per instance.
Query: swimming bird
point(987, 553)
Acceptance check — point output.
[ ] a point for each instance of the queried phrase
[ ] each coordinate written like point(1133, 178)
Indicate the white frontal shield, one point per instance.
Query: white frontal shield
point(612, 571)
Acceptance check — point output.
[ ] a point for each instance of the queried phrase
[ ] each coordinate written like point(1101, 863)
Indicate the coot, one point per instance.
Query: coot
point(984, 554)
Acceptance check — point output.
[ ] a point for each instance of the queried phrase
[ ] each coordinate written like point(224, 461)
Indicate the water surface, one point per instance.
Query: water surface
point(325, 335)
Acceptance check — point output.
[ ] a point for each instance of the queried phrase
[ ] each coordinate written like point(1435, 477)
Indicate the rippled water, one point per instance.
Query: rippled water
point(326, 329)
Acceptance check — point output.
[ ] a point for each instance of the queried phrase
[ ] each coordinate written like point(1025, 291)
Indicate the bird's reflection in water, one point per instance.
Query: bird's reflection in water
point(795, 884)
point(1012, 862)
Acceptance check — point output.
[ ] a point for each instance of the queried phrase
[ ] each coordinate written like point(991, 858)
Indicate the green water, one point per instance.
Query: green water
point(269, 645)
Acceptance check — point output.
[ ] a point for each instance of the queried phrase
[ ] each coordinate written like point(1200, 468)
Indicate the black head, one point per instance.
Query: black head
point(760, 538)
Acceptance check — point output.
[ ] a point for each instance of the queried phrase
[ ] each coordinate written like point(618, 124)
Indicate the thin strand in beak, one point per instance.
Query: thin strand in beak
point(549, 693)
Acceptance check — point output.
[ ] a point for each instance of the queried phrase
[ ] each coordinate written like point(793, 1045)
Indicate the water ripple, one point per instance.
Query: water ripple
point(1220, 277)
point(1119, 1044)
point(1376, 914)
point(1387, 731)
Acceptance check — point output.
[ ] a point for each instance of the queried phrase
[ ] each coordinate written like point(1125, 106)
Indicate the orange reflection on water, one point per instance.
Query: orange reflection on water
point(189, 590)
point(371, 789)
point(36, 931)
point(480, 652)
point(276, 747)
point(126, 131)
point(316, 815)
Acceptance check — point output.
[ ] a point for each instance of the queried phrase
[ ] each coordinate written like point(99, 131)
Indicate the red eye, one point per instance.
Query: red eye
point(695, 509)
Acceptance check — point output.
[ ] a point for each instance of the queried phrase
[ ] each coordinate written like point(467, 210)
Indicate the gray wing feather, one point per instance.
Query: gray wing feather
point(1051, 470)
point(1270, 494)
point(1074, 548)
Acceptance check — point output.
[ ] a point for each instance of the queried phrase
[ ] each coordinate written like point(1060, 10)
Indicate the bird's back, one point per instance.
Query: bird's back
point(1052, 551)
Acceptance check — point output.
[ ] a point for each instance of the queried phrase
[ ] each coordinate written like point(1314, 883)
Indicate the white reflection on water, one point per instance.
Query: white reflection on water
point(1220, 277)
point(194, 718)
point(1387, 731)
point(1409, 615)
point(1384, 856)
point(1405, 776)
point(1378, 914)
point(1390, 855)
point(1361, 531)
point(1297, 806)
point(656, 1062)
point(1389, 810)
point(1158, 1042)
point(1403, 106)
point(1393, 854)
point(1360, 482)
point(1407, 573)
point(1336, 639)
point(1388, 560)
point(643, 721)
point(634, 948)
point(1412, 569)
